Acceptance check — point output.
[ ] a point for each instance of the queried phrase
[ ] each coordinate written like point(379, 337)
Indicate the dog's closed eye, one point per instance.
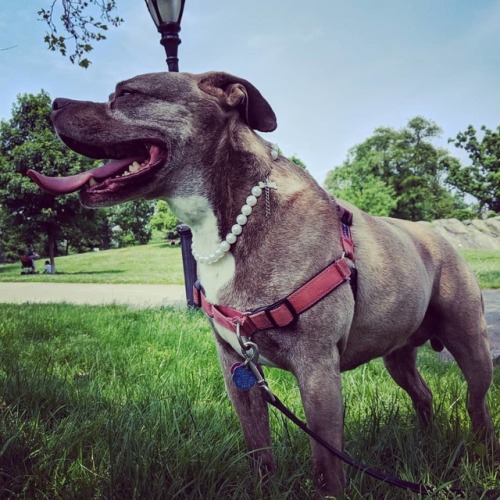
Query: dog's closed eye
point(125, 92)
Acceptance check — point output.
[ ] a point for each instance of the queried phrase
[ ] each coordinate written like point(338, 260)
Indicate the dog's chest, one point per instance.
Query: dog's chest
point(216, 277)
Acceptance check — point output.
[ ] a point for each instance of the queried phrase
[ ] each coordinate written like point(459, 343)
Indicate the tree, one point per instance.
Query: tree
point(11, 239)
point(163, 219)
point(295, 159)
point(129, 222)
point(481, 179)
point(82, 22)
point(398, 173)
point(31, 218)
point(362, 188)
point(28, 140)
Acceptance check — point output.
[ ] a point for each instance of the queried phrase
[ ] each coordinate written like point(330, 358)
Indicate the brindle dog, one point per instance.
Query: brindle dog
point(190, 140)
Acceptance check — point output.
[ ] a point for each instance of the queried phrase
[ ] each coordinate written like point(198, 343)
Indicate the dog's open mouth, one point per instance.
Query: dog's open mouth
point(130, 163)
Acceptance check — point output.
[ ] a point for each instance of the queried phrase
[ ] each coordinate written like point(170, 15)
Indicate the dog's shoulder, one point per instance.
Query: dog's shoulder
point(377, 238)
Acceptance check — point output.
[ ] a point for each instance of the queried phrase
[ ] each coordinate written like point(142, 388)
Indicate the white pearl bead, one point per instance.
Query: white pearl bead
point(252, 201)
point(236, 229)
point(246, 210)
point(256, 191)
point(231, 238)
point(241, 219)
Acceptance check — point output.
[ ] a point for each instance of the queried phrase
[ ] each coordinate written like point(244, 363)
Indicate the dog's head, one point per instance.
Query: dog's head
point(155, 129)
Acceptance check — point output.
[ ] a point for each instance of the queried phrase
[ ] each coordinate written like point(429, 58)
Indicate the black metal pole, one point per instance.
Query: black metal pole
point(188, 263)
point(170, 40)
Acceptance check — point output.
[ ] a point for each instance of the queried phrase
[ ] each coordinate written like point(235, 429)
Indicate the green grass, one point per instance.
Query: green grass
point(118, 403)
point(108, 402)
point(162, 264)
point(486, 265)
point(145, 264)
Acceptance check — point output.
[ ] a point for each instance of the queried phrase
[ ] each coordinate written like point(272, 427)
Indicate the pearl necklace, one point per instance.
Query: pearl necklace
point(237, 228)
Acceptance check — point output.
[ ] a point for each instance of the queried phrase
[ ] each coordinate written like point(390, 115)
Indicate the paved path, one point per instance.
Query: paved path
point(94, 294)
point(492, 313)
point(163, 295)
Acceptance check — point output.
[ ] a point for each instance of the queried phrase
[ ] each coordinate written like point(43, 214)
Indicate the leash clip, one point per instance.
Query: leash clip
point(249, 350)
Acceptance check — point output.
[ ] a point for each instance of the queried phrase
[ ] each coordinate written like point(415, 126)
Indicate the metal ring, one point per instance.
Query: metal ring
point(247, 346)
point(253, 355)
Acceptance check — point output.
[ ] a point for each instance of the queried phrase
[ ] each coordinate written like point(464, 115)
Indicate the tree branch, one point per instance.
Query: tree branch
point(82, 23)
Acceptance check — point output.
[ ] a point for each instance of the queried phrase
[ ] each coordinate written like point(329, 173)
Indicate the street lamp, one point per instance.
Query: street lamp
point(167, 16)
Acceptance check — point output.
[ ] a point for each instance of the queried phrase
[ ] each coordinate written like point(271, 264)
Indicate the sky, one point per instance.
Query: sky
point(333, 70)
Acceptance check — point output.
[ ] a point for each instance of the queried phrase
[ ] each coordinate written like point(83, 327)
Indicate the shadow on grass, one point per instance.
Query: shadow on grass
point(8, 268)
point(168, 245)
point(78, 273)
point(4, 270)
point(88, 425)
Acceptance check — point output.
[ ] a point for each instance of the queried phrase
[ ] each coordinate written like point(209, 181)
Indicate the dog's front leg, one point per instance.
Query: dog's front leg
point(252, 411)
point(320, 388)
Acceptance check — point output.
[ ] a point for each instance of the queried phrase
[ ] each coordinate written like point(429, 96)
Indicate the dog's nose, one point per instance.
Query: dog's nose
point(60, 103)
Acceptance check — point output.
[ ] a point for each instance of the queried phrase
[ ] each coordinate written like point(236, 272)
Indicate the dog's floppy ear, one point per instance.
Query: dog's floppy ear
point(240, 94)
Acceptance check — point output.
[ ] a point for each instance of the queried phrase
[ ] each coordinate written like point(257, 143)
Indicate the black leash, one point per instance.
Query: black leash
point(250, 352)
point(421, 489)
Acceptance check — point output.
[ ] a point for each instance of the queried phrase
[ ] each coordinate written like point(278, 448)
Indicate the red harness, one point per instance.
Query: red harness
point(287, 310)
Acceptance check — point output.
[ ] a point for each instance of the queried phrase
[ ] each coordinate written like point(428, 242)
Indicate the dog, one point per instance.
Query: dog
point(262, 230)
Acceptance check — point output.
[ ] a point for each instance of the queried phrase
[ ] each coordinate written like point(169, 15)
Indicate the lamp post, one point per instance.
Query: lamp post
point(167, 16)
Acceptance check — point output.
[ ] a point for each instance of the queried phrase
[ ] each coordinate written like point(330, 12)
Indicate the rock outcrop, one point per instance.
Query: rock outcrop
point(469, 234)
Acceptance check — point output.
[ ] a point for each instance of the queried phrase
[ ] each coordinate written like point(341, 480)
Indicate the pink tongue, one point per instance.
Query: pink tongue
point(65, 185)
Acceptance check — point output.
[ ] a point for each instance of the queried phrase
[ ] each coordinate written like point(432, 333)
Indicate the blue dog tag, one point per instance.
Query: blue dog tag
point(242, 377)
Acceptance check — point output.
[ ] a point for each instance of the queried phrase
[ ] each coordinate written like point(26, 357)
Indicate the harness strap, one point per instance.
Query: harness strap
point(287, 310)
point(346, 222)
point(281, 313)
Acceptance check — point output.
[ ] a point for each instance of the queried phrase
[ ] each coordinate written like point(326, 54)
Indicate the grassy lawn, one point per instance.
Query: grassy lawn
point(162, 264)
point(109, 402)
point(486, 265)
point(114, 403)
point(146, 264)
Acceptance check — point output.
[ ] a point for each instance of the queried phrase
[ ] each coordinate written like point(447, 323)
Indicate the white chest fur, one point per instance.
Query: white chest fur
point(197, 213)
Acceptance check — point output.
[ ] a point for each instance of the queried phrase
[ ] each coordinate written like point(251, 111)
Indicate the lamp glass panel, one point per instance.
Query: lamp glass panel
point(152, 6)
point(170, 10)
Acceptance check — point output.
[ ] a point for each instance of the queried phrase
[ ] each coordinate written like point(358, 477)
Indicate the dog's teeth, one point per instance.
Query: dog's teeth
point(92, 182)
point(134, 167)
point(125, 173)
